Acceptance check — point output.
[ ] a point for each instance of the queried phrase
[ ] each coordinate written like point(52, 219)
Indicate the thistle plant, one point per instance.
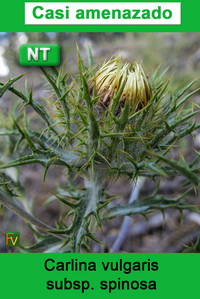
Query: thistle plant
point(106, 122)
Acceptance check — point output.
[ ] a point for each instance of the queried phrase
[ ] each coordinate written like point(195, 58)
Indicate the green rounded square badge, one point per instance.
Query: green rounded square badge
point(39, 55)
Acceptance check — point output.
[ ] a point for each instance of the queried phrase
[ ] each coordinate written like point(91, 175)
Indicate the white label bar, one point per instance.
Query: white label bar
point(109, 13)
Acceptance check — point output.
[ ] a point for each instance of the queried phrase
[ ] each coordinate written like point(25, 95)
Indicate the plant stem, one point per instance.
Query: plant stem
point(17, 209)
point(88, 206)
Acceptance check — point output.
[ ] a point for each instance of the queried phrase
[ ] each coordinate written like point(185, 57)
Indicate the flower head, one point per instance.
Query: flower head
point(114, 76)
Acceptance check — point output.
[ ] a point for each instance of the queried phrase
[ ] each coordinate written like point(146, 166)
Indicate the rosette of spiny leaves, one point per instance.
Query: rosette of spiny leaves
point(104, 123)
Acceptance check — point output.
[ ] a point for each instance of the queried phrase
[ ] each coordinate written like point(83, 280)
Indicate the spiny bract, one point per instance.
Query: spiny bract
point(114, 76)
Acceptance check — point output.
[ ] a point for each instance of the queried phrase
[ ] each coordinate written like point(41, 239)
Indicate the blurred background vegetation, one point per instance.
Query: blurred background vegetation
point(180, 52)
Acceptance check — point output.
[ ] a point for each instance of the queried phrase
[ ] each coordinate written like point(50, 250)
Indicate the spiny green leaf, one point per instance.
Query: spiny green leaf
point(49, 163)
point(86, 93)
point(8, 84)
point(181, 92)
point(9, 132)
point(183, 169)
point(89, 235)
point(117, 97)
point(93, 130)
point(149, 204)
point(182, 101)
point(66, 202)
point(90, 57)
point(49, 244)
point(37, 107)
point(16, 208)
point(123, 119)
point(50, 80)
point(155, 168)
